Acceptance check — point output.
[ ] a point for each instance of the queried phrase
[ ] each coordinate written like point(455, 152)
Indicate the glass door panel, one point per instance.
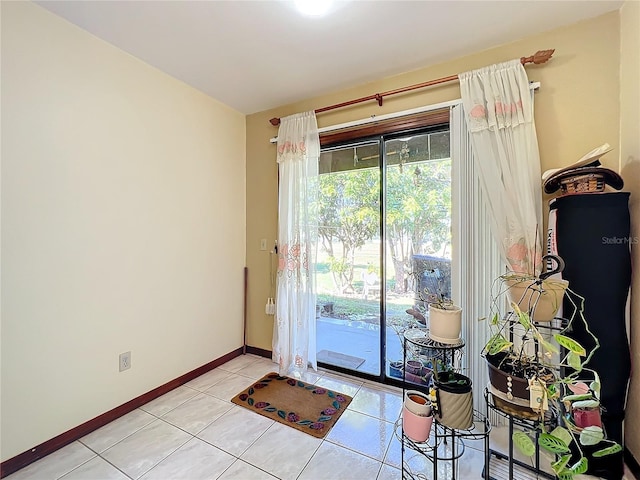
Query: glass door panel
point(348, 273)
point(418, 239)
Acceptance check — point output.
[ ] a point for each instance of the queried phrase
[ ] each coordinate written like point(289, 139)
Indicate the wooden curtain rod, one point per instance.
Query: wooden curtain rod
point(541, 56)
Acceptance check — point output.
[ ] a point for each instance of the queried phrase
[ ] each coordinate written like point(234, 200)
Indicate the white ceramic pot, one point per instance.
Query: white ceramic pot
point(540, 300)
point(417, 403)
point(445, 324)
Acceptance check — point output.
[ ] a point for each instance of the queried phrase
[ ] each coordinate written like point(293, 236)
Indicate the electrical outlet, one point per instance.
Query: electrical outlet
point(263, 244)
point(125, 361)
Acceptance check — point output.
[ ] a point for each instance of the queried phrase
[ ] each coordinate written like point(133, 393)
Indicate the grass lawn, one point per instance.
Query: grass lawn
point(354, 306)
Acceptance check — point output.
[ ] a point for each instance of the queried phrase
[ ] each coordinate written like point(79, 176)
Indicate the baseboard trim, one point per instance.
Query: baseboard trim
point(632, 463)
point(259, 351)
point(23, 459)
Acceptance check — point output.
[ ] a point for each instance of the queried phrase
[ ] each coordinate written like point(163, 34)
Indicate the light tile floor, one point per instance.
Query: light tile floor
point(194, 432)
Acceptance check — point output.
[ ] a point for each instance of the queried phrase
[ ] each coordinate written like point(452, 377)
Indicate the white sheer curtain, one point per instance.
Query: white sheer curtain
point(498, 107)
point(294, 330)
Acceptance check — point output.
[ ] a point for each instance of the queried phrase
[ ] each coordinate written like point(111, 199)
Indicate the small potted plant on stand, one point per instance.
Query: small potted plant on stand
point(445, 317)
point(445, 322)
point(417, 415)
point(541, 297)
point(414, 370)
point(453, 399)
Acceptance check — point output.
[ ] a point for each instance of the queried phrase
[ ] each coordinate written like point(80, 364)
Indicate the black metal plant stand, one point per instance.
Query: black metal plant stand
point(445, 445)
point(557, 325)
point(513, 421)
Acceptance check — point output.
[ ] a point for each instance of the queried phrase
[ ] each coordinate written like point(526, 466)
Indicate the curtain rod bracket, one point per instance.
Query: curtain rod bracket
point(541, 56)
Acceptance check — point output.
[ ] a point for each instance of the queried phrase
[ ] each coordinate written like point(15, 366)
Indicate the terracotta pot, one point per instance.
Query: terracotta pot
point(540, 299)
point(445, 324)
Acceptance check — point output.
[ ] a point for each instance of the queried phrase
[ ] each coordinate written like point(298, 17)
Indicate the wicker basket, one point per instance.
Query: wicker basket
point(586, 183)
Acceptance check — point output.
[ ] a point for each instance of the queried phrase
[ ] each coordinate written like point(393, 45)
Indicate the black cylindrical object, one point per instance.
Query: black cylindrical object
point(592, 234)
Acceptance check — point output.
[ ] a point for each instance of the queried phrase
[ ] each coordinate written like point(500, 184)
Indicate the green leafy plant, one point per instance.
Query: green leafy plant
point(559, 441)
point(522, 347)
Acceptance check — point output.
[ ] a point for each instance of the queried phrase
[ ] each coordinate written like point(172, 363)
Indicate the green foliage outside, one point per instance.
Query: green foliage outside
point(349, 215)
point(418, 214)
point(417, 217)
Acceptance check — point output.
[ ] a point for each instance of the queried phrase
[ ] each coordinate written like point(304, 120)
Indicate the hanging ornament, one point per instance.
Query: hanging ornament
point(404, 154)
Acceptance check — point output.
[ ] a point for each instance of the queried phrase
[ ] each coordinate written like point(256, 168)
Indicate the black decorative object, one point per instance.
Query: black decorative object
point(592, 235)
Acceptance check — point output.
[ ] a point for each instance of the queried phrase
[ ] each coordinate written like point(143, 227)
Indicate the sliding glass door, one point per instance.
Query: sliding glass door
point(385, 217)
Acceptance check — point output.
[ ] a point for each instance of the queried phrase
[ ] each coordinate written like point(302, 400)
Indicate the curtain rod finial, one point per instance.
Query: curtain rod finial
point(275, 121)
point(541, 56)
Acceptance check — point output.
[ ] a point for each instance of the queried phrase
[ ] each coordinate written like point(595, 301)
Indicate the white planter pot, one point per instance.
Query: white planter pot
point(540, 301)
point(417, 403)
point(445, 324)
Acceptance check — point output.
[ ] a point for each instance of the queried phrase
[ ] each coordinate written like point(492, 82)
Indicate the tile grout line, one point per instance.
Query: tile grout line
point(78, 466)
point(310, 458)
point(115, 466)
point(164, 458)
point(124, 438)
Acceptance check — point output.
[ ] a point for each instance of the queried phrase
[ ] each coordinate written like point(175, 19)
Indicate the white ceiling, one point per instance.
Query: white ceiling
point(256, 55)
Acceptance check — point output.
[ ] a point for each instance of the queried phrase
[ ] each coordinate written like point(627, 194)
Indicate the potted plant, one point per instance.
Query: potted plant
point(417, 416)
point(417, 402)
point(541, 297)
point(535, 373)
point(578, 438)
point(397, 367)
point(454, 399)
point(445, 317)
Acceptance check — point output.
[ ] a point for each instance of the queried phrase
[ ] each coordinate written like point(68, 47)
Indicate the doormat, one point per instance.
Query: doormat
point(339, 359)
point(303, 406)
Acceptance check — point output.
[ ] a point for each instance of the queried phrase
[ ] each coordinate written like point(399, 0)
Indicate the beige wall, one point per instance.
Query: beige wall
point(630, 162)
point(577, 109)
point(123, 227)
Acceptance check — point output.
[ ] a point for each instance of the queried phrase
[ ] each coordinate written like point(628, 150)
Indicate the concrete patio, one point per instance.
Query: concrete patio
point(357, 339)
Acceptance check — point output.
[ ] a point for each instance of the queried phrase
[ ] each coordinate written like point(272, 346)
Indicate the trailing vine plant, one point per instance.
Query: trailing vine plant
point(563, 392)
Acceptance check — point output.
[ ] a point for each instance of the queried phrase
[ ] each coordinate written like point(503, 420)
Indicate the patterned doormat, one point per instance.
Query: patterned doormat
point(303, 406)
